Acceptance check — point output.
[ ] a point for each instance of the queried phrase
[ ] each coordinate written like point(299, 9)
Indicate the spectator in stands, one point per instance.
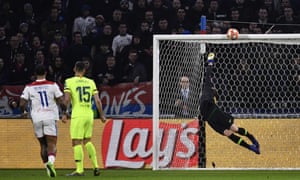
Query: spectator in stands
point(138, 11)
point(3, 40)
point(134, 70)
point(53, 52)
point(99, 25)
point(263, 18)
point(162, 27)
point(83, 22)
point(135, 44)
point(57, 71)
point(214, 11)
point(3, 72)
point(175, 5)
point(36, 44)
point(288, 18)
point(28, 16)
point(145, 34)
point(270, 6)
point(50, 25)
point(39, 58)
point(245, 8)
point(9, 53)
point(121, 40)
point(183, 105)
point(197, 10)
point(160, 10)
point(127, 15)
point(116, 21)
point(283, 4)
point(24, 44)
point(146, 58)
point(75, 52)
point(105, 38)
point(20, 72)
point(149, 18)
point(235, 18)
point(88, 66)
point(104, 49)
point(25, 31)
point(109, 74)
point(60, 40)
point(9, 18)
point(181, 20)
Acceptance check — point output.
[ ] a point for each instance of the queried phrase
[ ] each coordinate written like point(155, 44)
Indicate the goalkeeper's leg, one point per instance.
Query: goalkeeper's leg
point(244, 132)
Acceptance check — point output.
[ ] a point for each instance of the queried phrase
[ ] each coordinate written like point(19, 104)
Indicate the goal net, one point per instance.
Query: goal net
point(257, 79)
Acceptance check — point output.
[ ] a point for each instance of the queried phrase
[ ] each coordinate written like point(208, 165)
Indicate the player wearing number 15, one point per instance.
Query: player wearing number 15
point(43, 95)
point(79, 91)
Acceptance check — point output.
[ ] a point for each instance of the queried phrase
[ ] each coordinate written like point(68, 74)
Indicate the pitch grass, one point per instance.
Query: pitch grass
point(143, 174)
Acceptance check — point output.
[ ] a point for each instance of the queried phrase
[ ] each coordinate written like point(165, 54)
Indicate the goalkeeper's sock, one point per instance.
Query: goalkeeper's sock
point(238, 140)
point(92, 153)
point(244, 132)
point(78, 156)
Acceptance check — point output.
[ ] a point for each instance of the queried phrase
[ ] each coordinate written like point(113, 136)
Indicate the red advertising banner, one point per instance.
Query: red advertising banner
point(128, 143)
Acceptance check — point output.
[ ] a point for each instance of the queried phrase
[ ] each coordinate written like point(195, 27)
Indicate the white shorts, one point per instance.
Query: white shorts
point(45, 127)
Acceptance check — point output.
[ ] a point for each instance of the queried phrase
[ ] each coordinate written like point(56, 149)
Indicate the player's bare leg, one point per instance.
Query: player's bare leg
point(51, 149)
point(43, 152)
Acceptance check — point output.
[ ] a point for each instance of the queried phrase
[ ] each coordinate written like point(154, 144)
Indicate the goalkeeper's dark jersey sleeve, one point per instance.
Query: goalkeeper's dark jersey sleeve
point(208, 93)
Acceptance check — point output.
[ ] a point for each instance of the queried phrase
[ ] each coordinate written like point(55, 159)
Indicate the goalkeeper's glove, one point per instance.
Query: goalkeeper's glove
point(210, 58)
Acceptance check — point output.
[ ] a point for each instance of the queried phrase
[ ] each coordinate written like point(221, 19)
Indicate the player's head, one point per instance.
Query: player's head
point(79, 67)
point(40, 70)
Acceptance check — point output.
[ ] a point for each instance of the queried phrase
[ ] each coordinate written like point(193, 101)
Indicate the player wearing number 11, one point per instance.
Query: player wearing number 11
point(79, 91)
point(43, 95)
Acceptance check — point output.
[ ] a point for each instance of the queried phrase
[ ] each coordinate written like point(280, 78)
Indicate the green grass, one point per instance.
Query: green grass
point(130, 174)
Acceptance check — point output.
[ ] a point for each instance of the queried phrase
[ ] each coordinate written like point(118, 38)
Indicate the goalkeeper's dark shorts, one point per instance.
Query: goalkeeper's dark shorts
point(219, 120)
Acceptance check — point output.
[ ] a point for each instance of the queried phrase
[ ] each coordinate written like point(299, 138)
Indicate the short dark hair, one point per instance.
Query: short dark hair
point(40, 70)
point(80, 66)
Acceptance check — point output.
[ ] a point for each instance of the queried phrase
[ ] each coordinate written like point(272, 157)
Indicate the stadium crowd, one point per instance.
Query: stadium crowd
point(114, 37)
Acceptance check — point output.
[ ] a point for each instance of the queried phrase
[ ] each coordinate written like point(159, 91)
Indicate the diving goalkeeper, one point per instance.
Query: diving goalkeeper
point(220, 121)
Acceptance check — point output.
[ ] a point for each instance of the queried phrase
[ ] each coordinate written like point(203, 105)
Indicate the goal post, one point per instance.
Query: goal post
point(257, 79)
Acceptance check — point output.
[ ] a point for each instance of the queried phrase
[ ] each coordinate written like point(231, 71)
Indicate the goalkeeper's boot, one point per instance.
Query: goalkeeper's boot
point(96, 172)
point(51, 170)
point(254, 149)
point(255, 142)
point(75, 173)
point(211, 58)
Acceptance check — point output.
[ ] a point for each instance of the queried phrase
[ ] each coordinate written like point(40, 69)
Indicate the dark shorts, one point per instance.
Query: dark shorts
point(216, 118)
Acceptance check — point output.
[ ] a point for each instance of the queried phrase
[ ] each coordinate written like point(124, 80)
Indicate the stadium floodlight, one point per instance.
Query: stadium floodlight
point(257, 77)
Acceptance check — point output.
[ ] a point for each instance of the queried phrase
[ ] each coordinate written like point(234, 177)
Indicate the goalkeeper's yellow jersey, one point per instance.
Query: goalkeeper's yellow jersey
point(82, 90)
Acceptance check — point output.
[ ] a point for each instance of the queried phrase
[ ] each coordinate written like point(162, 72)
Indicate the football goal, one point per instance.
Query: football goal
point(257, 80)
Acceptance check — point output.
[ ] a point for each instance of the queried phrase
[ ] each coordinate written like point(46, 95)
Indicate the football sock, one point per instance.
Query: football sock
point(92, 153)
point(51, 157)
point(78, 156)
point(244, 132)
point(238, 140)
